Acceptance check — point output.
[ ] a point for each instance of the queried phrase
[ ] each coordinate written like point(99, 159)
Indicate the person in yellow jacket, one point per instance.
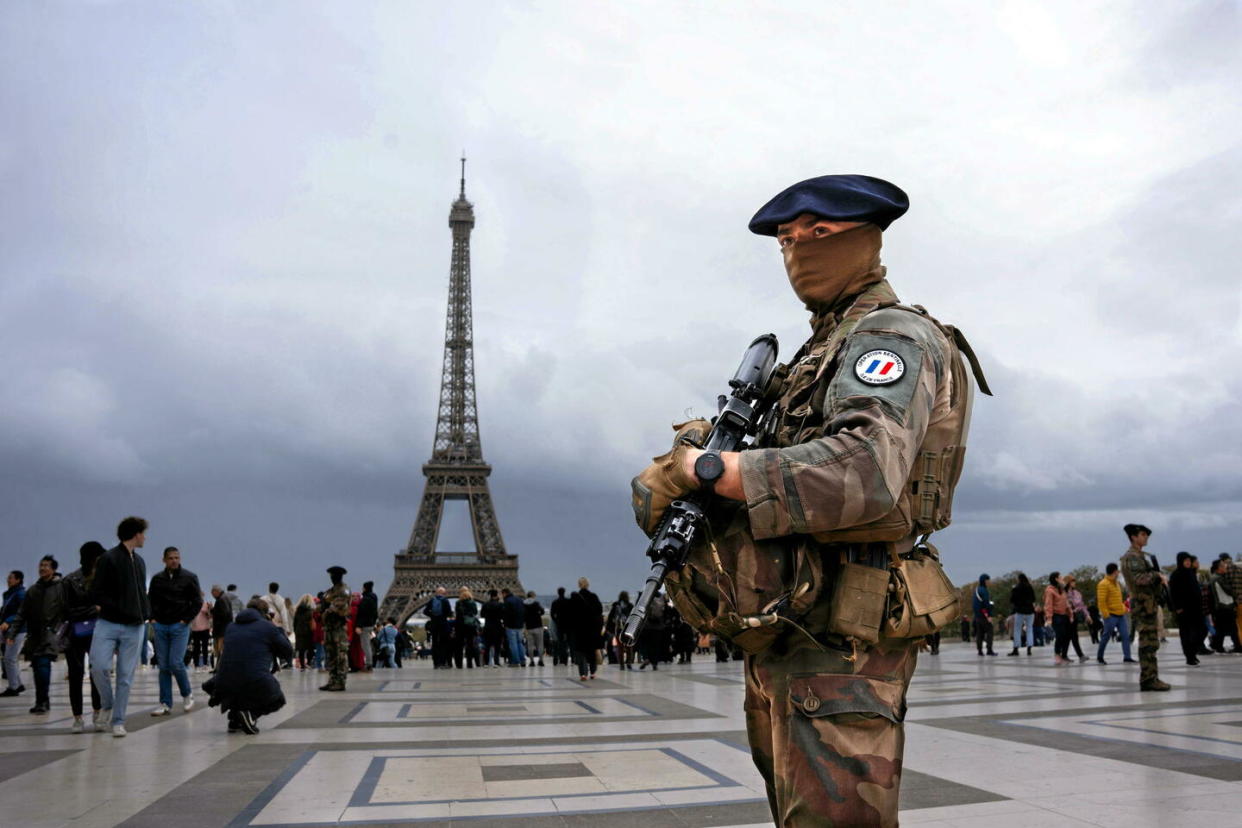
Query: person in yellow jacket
point(1112, 612)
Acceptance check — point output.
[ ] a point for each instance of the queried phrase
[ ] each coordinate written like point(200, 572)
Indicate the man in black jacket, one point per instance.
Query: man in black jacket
point(243, 685)
point(1187, 600)
point(175, 599)
point(438, 611)
point(493, 615)
point(119, 590)
point(364, 623)
point(515, 626)
point(559, 613)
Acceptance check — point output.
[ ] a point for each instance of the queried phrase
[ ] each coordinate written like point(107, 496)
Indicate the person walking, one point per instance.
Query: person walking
point(981, 603)
point(176, 599)
point(1057, 605)
point(515, 626)
point(368, 618)
point(1224, 618)
point(41, 612)
point(532, 617)
point(438, 611)
point(558, 614)
point(586, 620)
point(1077, 615)
point(13, 597)
point(493, 614)
point(119, 592)
point(466, 644)
point(618, 614)
point(244, 687)
point(336, 600)
point(386, 640)
point(1186, 601)
point(200, 638)
point(303, 635)
point(1112, 613)
point(276, 606)
point(80, 615)
point(1022, 605)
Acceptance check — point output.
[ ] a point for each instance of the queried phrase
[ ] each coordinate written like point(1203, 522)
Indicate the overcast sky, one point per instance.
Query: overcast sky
point(224, 257)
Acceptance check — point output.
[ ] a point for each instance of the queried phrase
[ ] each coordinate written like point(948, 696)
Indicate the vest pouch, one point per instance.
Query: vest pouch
point(859, 600)
point(924, 599)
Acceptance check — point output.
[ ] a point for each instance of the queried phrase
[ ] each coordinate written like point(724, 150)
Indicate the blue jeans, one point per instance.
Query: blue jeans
point(170, 641)
point(12, 664)
point(319, 656)
point(125, 642)
point(1021, 633)
point(517, 646)
point(1118, 623)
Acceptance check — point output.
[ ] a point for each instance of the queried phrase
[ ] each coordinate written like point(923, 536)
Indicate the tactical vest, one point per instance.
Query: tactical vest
point(926, 501)
point(736, 586)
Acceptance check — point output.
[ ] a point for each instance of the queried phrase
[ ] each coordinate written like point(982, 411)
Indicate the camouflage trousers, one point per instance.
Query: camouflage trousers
point(1145, 623)
point(826, 733)
point(336, 654)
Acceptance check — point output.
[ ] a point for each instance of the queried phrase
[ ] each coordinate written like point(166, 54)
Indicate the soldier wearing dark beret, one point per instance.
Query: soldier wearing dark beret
point(859, 465)
point(335, 639)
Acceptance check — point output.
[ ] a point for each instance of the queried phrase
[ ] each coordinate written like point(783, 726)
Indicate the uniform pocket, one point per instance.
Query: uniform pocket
point(841, 695)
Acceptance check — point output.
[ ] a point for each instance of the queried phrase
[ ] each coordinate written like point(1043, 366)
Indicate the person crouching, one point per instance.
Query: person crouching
point(243, 685)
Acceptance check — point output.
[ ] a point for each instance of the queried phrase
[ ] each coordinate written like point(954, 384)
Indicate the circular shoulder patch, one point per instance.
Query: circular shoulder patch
point(879, 368)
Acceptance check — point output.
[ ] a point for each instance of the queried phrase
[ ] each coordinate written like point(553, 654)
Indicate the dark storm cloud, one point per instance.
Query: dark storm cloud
point(225, 253)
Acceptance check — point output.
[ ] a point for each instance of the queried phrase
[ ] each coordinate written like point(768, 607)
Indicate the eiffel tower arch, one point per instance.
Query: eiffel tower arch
point(456, 470)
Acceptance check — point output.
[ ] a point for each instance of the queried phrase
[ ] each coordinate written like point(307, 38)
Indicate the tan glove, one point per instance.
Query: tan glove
point(665, 480)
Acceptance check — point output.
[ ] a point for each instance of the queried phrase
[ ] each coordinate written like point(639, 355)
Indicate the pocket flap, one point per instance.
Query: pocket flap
point(831, 695)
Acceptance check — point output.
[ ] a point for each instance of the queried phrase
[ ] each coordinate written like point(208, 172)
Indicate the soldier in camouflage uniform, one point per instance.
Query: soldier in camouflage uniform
point(874, 404)
point(335, 641)
point(1145, 582)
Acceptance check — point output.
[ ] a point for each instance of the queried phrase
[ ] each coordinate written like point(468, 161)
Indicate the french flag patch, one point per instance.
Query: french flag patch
point(879, 368)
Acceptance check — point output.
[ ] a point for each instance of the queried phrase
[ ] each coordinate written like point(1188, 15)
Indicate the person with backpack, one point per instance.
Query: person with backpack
point(982, 605)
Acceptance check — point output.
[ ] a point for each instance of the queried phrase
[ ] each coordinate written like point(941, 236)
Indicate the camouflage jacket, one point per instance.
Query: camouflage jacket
point(336, 605)
point(844, 448)
point(1141, 576)
point(833, 467)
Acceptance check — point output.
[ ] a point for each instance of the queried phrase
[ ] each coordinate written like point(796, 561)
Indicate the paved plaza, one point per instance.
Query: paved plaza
point(990, 741)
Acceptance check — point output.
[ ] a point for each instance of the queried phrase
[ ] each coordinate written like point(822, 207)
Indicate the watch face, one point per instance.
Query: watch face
point(709, 466)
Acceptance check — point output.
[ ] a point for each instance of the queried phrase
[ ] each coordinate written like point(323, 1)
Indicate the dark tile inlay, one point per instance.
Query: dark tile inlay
point(15, 764)
point(508, 773)
point(517, 708)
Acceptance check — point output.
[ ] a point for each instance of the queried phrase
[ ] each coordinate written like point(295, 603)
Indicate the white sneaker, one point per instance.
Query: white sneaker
point(187, 704)
point(118, 730)
point(162, 710)
point(78, 725)
point(102, 718)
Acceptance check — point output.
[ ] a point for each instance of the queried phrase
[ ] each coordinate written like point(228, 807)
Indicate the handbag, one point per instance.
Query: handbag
point(82, 629)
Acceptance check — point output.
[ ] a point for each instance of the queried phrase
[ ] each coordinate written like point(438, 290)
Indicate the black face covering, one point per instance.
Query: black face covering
point(823, 271)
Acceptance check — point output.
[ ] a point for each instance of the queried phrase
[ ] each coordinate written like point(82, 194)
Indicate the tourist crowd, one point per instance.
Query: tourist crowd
point(1203, 606)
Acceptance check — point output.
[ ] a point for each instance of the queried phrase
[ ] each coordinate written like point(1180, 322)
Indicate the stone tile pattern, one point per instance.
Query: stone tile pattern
point(1012, 741)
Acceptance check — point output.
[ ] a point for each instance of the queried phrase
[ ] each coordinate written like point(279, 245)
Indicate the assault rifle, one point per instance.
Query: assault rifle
point(740, 416)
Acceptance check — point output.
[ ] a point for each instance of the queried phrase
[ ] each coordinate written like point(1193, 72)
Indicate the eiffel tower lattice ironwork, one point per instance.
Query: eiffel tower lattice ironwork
point(456, 470)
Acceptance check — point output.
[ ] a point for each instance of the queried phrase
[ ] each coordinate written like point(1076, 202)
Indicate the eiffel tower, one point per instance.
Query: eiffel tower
point(456, 470)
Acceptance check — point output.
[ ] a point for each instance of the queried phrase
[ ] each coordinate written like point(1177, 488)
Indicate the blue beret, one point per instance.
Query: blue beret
point(835, 197)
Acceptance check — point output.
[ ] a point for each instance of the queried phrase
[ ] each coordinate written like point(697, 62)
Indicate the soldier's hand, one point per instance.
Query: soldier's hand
point(665, 480)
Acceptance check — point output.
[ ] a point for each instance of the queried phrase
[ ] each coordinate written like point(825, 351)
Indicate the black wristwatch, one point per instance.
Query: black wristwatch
point(708, 468)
